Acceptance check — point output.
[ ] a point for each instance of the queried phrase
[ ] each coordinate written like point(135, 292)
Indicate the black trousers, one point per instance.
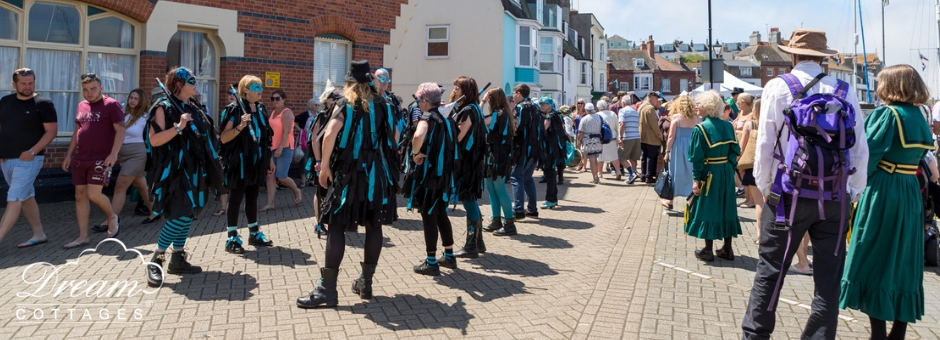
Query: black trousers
point(650, 156)
point(434, 223)
point(776, 254)
point(336, 245)
point(235, 195)
point(551, 185)
point(561, 172)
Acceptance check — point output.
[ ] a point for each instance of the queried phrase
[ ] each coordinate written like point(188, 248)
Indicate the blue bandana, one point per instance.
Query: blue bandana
point(183, 74)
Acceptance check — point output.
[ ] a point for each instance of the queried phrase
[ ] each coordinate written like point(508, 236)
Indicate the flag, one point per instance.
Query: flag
point(923, 67)
point(922, 57)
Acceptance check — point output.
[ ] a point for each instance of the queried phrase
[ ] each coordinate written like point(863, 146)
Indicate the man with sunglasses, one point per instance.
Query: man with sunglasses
point(28, 124)
point(93, 150)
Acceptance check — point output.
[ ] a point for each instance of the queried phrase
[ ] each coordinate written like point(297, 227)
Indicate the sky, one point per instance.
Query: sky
point(910, 25)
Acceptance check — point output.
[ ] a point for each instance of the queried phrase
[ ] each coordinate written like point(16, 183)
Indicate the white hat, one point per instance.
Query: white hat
point(589, 107)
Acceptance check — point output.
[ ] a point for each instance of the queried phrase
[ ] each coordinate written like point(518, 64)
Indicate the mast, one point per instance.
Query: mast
point(861, 25)
point(937, 11)
point(855, 50)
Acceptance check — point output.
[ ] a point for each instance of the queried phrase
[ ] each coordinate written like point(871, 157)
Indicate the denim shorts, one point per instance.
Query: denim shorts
point(282, 164)
point(20, 176)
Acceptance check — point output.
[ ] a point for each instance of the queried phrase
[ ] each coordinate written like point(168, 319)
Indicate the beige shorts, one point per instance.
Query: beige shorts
point(629, 151)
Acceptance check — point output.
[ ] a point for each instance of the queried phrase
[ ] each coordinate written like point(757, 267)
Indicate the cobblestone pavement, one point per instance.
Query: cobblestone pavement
point(608, 263)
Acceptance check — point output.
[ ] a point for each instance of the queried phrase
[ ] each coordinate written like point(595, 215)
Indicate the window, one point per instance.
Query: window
point(782, 71)
point(684, 85)
point(567, 69)
point(535, 8)
point(331, 60)
point(601, 82)
point(603, 52)
point(528, 54)
point(585, 74)
point(698, 72)
point(770, 72)
point(746, 72)
point(438, 39)
point(63, 40)
point(667, 85)
point(639, 62)
point(546, 54)
point(625, 86)
point(643, 82)
point(193, 50)
point(551, 16)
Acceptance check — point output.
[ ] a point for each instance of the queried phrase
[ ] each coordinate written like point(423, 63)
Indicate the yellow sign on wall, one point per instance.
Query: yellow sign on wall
point(272, 80)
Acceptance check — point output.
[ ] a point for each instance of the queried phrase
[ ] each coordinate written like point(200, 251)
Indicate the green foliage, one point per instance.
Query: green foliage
point(693, 58)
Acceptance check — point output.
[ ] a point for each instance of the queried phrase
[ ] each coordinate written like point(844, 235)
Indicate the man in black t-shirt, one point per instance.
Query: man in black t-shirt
point(28, 123)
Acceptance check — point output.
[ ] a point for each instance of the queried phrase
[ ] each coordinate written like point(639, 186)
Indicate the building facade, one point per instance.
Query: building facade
point(643, 71)
point(298, 45)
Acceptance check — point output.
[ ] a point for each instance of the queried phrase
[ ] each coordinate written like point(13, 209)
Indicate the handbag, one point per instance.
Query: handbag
point(664, 186)
point(747, 155)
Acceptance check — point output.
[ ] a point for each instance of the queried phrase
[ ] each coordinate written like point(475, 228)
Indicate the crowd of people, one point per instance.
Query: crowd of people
point(804, 143)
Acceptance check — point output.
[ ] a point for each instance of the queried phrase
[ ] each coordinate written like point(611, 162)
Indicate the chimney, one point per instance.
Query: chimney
point(651, 47)
point(755, 38)
point(643, 46)
point(774, 37)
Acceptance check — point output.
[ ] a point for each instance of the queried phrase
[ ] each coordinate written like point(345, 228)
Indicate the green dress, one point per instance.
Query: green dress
point(714, 156)
point(884, 267)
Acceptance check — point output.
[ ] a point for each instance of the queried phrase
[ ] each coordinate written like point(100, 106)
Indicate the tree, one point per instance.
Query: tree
point(677, 42)
point(693, 58)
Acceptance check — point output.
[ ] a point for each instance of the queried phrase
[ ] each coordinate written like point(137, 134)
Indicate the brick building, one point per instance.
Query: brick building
point(644, 70)
point(130, 42)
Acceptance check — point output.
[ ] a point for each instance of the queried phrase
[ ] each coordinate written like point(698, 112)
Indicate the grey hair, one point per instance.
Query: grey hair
point(602, 105)
point(711, 102)
point(312, 102)
point(430, 92)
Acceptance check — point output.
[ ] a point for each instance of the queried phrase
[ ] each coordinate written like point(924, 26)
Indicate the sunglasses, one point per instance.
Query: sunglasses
point(384, 79)
point(274, 99)
point(24, 72)
point(88, 77)
point(580, 103)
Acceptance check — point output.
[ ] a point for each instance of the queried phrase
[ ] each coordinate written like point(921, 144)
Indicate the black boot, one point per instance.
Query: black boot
point(155, 272)
point(259, 239)
point(363, 284)
point(508, 229)
point(425, 268)
point(325, 292)
point(495, 225)
point(481, 247)
point(469, 249)
point(179, 265)
point(234, 245)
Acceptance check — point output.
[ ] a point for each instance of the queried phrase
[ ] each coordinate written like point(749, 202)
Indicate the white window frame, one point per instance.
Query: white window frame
point(23, 44)
point(533, 46)
point(585, 74)
point(642, 81)
point(551, 51)
point(428, 40)
point(684, 85)
point(339, 80)
point(624, 86)
point(666, 85)
point(639, 62)
point(746, 72)
point(602, 81)
point(770, 72)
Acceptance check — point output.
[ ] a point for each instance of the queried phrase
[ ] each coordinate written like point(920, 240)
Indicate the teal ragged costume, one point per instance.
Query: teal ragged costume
point(247, 157)
point(430, 187)
point(884, 267)
point(714, 156)
point(471, 149)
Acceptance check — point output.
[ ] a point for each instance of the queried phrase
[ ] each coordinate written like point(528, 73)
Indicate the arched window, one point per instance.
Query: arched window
point(60, 40)
point(331, 57)
point(194, 50)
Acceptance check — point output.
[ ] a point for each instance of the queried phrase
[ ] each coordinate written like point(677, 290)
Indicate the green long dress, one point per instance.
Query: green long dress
point(884, 267)
point(714, 156)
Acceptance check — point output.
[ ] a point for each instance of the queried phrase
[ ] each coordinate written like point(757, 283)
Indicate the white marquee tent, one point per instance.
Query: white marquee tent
point(729, 84)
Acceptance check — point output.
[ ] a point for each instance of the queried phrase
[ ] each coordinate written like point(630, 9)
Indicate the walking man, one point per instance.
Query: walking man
point(28, 124)
point(779, 240)
point(93, 150)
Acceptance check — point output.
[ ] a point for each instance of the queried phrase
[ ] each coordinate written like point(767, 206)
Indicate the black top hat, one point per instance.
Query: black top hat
point(359, 72)
point(737, 90)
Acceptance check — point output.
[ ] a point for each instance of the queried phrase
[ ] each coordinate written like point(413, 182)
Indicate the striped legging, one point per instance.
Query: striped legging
point(174, 232)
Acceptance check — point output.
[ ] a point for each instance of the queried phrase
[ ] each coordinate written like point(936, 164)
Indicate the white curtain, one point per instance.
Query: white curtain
point(330, 61)
point(9, 61)
point(127, 35)
point(57, 79)
point(117, 73)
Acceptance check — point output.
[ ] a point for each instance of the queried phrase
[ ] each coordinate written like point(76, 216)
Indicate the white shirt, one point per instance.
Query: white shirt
point(777, 97)
point(135, 133)
point(934, 118)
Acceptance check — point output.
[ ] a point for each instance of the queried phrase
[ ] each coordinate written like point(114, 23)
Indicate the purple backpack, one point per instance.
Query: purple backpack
point(816, 163)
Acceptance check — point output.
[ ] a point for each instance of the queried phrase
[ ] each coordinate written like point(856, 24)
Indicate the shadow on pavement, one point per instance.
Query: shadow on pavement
point(278, 256)
point(740, 261)
point(480, 287)
point(411, 312)
point(564, 224)
point(539, 241)
point(579, 209)
point(215, 286)
point(358, 240)
point(508, 265)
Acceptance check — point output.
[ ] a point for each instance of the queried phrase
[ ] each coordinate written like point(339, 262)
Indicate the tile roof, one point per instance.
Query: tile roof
point(764, 53)
point(666, 65)
point(623, 60)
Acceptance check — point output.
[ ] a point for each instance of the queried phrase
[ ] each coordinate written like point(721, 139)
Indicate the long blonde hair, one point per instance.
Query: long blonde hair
point(358, 93)
point(755, 112)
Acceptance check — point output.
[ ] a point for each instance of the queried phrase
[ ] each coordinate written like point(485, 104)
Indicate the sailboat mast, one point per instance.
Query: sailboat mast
point(855, 50)
point(861, 25)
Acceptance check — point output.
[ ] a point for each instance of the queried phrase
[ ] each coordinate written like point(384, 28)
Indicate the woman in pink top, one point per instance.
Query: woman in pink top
point(282, 122)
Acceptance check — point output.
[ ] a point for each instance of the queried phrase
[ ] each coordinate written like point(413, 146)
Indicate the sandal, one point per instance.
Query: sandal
point(745, 205)
point(31, 242)
point(298, 198)
point(219, 213)
point(266, 208)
